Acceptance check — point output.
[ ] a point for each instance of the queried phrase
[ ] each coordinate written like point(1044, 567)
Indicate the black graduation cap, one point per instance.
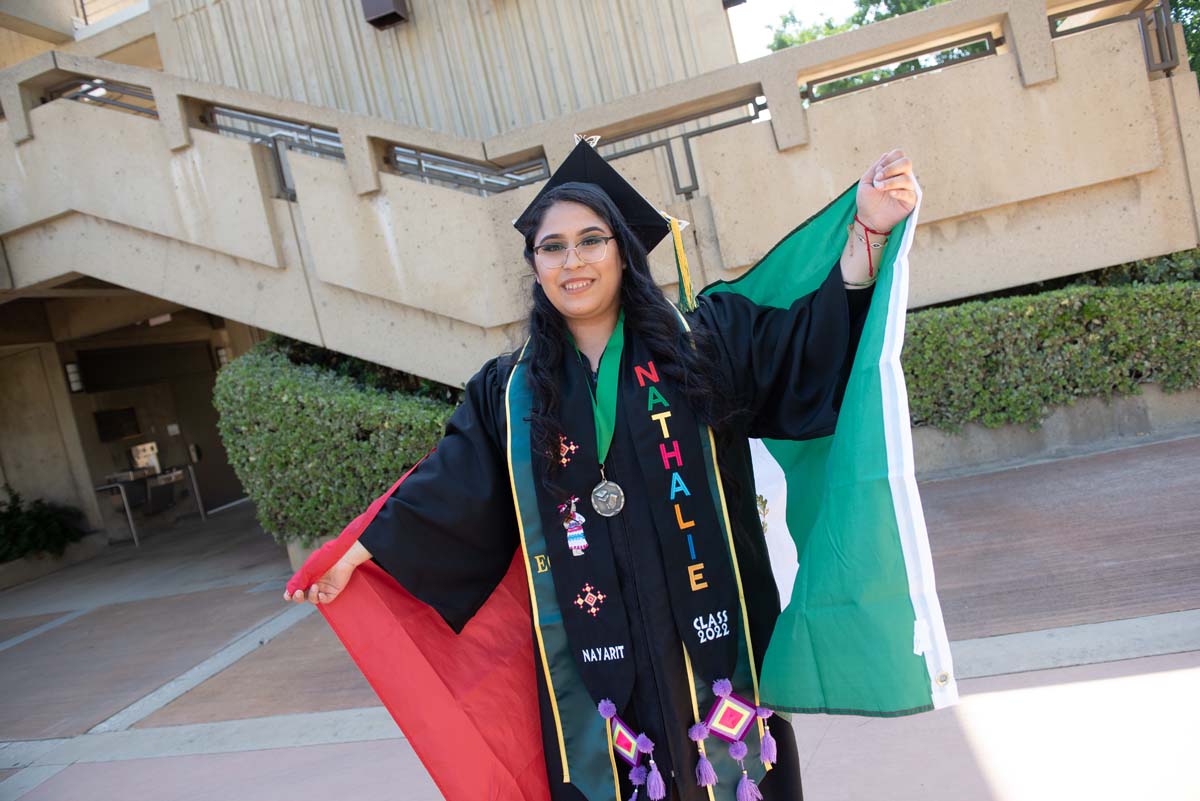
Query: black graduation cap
point(585, 165)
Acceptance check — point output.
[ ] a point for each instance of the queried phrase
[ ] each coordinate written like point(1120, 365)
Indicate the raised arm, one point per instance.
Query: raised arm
point(788, 367)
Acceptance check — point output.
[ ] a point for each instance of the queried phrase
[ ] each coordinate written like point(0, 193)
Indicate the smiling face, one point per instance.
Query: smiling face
point(581, 291)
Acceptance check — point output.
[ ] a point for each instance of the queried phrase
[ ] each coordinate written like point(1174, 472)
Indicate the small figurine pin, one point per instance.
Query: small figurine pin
point(573, 523)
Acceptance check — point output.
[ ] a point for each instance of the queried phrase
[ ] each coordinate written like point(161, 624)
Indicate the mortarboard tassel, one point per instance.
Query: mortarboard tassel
point(687, 298)
point(768, 750)
point(705, 775)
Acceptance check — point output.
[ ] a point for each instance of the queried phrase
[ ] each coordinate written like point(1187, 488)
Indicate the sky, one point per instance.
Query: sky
point(749, 20)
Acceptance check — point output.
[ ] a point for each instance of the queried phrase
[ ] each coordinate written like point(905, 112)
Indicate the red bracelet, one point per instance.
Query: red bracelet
point(858, 220)
point(869, 231)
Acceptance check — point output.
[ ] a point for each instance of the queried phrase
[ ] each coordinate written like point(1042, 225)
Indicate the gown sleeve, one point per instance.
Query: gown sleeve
point(787, 366)
point(448, 533)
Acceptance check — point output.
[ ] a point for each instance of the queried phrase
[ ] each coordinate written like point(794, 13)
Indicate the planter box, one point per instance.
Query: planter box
point(298, 555)
point(1090, 424)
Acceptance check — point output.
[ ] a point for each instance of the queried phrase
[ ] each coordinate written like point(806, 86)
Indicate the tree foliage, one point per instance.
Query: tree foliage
point(792, 31)
point(1187, 14)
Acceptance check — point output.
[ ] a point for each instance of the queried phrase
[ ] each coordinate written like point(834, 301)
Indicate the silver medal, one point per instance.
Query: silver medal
point(608, 498)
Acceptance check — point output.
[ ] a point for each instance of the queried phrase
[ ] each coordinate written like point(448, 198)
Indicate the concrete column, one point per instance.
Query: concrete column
point(789, 117)
point(18, 98)
point(361, 163)
point(1028, 33)
point(1186, 95)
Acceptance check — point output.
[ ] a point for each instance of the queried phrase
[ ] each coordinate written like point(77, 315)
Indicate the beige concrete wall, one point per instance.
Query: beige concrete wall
point(39, 441)
point(16, 47)
point(210, 194)
point(118, 30)
point(49, 20)
point(1009, 183)
point(1017, 154)
point(33, 453)
point(468, 67)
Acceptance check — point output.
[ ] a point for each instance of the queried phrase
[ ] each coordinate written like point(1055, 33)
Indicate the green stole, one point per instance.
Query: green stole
point(584, 738)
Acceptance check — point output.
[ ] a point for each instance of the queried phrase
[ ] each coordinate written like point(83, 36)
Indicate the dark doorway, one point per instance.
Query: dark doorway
point(184, 375)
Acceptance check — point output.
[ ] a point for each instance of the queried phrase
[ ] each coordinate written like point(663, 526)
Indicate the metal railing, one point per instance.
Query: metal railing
point(892, 68)
point(459, 174)
point(100, 92)
point(611, 150)
point(92, 11)
point(1154, 23)
point(277, 135)
point(280, 135)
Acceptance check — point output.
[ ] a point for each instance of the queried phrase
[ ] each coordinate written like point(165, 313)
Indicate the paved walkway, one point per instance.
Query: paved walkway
point(1071, 590)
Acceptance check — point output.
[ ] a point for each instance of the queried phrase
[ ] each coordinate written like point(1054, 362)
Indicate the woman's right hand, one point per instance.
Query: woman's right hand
point(325, 589)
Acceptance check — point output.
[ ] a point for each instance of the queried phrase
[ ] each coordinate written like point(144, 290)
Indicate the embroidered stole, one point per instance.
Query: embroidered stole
point(585, 646)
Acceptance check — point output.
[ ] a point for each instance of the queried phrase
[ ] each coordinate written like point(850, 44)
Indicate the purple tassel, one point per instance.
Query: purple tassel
point(722, 687)
point(637, 775)
point(739, 750)
point(747, 790)
point(705, 775)
point(607, 709)
point(645, 744)
point(767, 749)
point(656, 788)
point(634, 796)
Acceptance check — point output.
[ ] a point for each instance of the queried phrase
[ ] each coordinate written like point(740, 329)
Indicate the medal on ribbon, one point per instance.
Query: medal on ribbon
point(608, 499)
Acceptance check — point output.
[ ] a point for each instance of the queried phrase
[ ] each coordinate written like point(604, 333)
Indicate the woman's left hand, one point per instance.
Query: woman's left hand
point(887, 191)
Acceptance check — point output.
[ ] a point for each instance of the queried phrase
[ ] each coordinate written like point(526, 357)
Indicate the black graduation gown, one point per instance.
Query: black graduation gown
point(449, 533)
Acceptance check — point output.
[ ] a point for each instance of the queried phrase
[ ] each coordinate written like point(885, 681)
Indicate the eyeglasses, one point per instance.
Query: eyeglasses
point(589, 250)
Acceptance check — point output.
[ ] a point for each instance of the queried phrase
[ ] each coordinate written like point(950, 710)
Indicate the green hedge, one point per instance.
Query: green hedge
point(313, 447)
point(1009, 360)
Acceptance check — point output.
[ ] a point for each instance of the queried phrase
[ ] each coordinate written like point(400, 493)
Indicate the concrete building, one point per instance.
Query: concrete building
point(178, 177)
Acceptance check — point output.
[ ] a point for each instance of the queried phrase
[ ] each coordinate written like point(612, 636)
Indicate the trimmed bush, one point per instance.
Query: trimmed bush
point(1008, 360)
point(313, 447)
point(36, 528)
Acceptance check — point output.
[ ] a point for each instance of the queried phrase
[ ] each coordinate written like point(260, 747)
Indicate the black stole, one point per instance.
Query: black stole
point(684, 507)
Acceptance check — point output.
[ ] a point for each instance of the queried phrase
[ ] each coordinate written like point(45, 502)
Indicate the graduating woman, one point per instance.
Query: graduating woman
point(611, 454)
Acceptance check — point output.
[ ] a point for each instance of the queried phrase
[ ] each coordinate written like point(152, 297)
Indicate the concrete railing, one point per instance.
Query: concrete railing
point(1052, 156)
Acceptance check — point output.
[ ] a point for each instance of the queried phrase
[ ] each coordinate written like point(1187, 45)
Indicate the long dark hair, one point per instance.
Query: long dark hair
point(687, 359)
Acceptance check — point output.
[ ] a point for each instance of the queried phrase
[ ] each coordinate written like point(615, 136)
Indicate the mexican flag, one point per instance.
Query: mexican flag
point(861, 631)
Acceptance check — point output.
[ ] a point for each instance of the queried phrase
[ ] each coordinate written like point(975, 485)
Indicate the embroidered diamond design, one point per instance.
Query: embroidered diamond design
point(625, 741)
point(565, 450)
point(731, 717)
point(590, 600)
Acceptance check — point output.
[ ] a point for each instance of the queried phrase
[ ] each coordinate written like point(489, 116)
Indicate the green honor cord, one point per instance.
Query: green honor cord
point(604, 399)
